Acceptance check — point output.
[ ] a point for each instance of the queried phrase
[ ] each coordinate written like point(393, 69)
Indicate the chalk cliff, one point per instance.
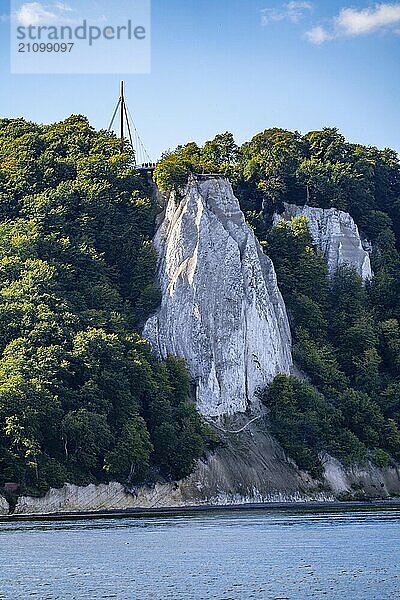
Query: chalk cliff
point(335, 233)
point(4, 508)
point(221, 307)
point(366, 480)
point(222, 311)
point(72, 498)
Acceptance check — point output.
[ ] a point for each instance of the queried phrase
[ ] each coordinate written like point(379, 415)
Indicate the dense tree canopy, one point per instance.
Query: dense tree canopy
point(81, 397)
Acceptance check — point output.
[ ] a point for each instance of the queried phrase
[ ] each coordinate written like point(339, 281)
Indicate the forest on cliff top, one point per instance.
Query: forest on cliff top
point(81, 397)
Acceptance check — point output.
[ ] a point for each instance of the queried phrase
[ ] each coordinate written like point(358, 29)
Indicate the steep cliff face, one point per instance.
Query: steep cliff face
point(336, 235)
point(367, 481)
point(4, 508)
point(221, 307)
point(95, 498)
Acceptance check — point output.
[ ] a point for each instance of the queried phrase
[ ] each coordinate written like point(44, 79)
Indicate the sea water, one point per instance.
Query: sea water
point(221, 555)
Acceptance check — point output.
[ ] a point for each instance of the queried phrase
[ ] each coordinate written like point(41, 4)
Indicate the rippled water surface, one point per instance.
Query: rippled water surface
point(224, 556)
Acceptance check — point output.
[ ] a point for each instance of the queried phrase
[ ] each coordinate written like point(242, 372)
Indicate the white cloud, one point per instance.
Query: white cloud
point(318, 35)
point(36, 13)
point(352, 22)
point(359, 22)
point(291, 11)
point(33, 13)
point(63, 7)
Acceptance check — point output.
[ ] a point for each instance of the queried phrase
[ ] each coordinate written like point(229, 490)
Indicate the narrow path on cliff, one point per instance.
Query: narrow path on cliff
point(239, 430)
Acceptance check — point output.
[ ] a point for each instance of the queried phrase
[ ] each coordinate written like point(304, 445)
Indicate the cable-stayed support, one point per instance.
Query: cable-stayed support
point(142, 157)
point(129, 126)
point(140, 143)
point(114, 115)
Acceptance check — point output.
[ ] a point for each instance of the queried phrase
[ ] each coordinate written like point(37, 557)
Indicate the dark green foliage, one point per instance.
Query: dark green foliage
point(350, 356)
point(320, 168)
point(217, 156)
point(269, 164)
point(77, 384)
point(177, 430)
point(307, 425)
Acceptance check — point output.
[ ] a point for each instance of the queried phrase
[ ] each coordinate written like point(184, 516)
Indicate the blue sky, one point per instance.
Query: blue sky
point(239, 66)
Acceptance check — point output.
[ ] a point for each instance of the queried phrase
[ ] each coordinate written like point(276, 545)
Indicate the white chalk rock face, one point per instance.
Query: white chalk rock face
point(4, 508)
point(221, 307)
point(335, 233)
point(95, 498)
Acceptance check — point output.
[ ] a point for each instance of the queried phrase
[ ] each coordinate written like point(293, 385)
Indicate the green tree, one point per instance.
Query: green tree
point(130, 459)
point(86, 437)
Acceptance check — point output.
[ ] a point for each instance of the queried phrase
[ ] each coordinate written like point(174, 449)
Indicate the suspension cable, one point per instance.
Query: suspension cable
point(115, 114)
point(140, 142)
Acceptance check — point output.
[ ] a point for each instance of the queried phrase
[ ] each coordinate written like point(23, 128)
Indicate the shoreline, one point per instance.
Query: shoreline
point(317, 506)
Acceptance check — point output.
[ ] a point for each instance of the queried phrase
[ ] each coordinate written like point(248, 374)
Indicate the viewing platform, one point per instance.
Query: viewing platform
point(146, 167)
